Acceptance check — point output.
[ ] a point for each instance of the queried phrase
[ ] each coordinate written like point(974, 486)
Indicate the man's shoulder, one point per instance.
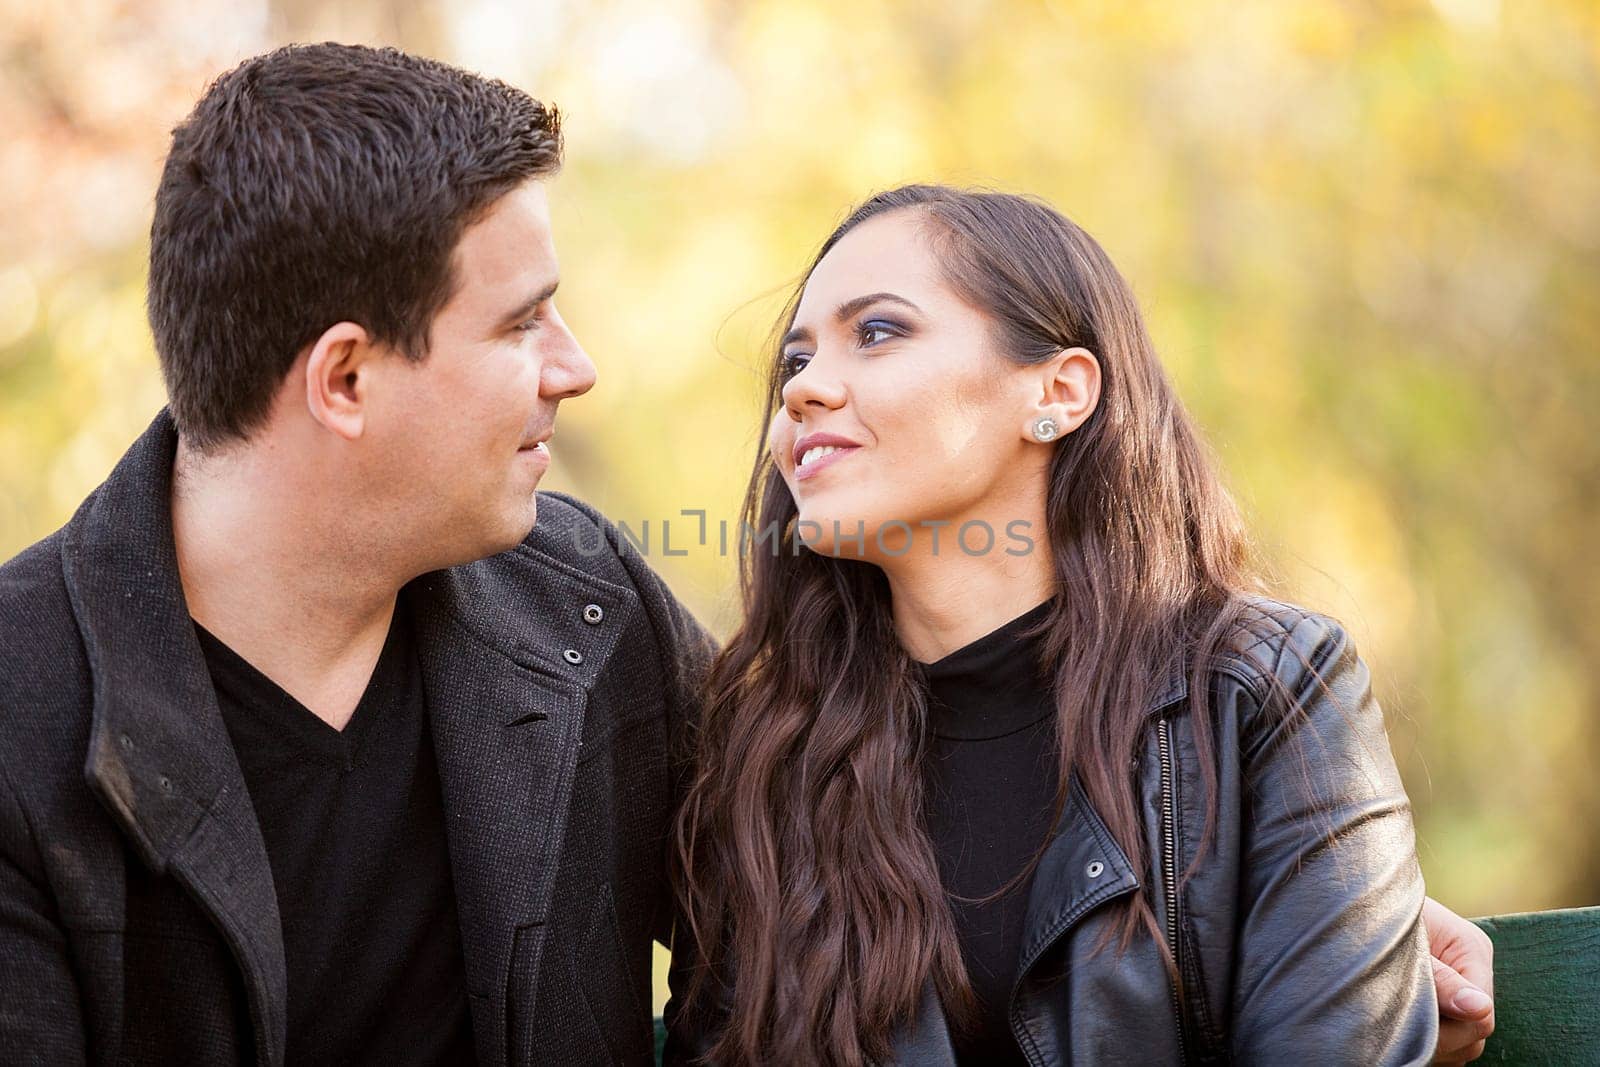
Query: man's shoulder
point(36, 619)
point(39, 562)
point(568, 526)
point(44, 674)
point(573, 534)
point(572, 553)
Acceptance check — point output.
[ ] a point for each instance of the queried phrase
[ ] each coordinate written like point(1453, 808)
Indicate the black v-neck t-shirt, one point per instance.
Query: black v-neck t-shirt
point(353, 822)
point(990, 771)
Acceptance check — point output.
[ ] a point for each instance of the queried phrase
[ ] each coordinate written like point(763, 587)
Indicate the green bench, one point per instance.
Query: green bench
point(1546, 988)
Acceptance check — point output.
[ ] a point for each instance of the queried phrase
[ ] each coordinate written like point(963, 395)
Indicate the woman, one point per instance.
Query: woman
point(1011, 761)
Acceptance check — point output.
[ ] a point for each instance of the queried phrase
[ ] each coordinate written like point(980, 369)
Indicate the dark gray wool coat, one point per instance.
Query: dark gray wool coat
point(138, 920)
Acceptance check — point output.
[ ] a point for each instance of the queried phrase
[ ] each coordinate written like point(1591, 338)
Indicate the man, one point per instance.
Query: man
point(314, 746)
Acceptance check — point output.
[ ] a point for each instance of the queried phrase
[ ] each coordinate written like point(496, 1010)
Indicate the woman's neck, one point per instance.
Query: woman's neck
point(944, 602)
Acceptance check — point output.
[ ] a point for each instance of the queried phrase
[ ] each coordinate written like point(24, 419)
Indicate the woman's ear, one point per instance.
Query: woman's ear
point(1068, 394)
point(337, 370)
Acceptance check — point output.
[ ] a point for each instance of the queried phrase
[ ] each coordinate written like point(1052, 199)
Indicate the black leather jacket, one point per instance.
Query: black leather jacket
point(1300, 936)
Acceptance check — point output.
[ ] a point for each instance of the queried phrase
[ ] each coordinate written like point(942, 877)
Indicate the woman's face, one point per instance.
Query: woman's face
point(889, 366)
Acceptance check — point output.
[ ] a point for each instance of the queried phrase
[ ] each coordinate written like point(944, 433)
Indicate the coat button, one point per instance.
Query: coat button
point(573, 656)
point(592, 614)
point(1095, 868)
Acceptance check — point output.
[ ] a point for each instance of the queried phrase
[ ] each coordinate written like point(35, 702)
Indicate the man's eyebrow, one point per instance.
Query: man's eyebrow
point(524, 309)
point(847, 310)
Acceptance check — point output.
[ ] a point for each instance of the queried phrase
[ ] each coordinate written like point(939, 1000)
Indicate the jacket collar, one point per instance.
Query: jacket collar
point(1173, 688)
point(1082, 868)
point(504, 702)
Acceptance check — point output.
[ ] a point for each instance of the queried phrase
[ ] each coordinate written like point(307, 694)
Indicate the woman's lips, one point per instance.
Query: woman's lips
point(817, 466)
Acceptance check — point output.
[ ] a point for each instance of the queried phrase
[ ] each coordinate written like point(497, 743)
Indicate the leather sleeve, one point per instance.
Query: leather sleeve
point(1332, 955)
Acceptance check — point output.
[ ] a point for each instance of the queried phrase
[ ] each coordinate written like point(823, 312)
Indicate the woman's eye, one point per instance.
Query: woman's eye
point(876, 331)
point(794, 364)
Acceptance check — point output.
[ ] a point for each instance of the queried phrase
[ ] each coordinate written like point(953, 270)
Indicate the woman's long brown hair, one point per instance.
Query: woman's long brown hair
point(802, 864)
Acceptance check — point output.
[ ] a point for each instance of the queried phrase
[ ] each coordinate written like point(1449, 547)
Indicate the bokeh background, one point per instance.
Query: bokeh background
point(1366, 234)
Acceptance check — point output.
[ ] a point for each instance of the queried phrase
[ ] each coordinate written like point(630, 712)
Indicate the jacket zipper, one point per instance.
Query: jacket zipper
point(1169, 855)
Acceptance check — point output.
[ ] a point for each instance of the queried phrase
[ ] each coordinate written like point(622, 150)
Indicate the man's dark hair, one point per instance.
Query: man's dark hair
point(317, 184)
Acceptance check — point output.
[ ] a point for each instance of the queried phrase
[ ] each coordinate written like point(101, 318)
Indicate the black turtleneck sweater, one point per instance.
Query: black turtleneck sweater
point(991, 773)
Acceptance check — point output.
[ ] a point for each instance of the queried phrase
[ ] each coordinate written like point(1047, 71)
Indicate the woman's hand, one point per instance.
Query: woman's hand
point(1463, 979)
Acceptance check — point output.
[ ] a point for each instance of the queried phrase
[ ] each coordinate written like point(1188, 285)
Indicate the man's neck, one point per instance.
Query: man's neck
point(287, 585)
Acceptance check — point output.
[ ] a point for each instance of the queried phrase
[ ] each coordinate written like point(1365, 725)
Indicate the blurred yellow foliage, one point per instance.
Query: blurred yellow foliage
point(1366, 235)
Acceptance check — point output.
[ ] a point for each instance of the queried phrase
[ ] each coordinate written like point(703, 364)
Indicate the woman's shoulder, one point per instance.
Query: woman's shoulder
point(1289, 671)
point(1274, 645)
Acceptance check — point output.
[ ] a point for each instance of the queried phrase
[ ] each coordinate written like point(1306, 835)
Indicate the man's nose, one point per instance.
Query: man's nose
point(568, 372)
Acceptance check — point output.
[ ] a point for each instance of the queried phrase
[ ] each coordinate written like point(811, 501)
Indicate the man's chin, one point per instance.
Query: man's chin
point(520, 524)
point(503, 532)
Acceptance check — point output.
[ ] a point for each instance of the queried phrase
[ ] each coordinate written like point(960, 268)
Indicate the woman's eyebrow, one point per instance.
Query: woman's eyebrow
point(848, 309)
point(845, 311)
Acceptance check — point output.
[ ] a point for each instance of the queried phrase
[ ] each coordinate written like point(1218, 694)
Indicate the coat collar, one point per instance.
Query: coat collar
point(507, 708)
point(159, 756)
point(155, 712)
point(505, 705)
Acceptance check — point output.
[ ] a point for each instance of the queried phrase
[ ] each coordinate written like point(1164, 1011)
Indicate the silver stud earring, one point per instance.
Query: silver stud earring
point(1045, 429)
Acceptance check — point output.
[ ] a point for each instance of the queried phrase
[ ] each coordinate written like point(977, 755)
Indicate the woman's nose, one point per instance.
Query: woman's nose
point(815, 386)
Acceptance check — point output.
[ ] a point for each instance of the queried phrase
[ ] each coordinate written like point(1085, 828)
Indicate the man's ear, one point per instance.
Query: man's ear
point(337, 373)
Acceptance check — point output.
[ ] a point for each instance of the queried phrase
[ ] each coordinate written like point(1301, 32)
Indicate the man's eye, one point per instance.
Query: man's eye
point(793, 364)
point(536, 320)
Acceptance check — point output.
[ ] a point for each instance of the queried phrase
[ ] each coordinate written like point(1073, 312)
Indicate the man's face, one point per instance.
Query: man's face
point(459, 435)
